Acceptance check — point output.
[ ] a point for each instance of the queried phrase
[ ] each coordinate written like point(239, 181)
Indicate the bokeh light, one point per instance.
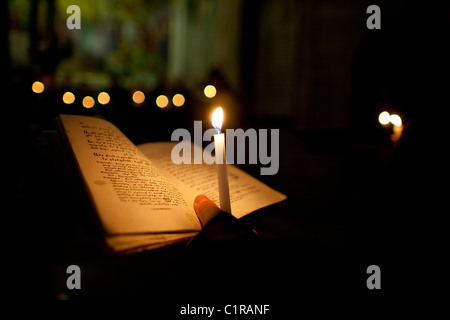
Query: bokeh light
point(178, 100)
point(88, 102)
point(162, 101)
point(37, 87)
point(138, 97)
point(395, 120)
point(383, 118)
point(210, 91)
point(68, 97)
point(103, 98)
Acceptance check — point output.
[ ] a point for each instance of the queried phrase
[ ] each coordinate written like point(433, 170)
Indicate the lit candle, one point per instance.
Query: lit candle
point(397, 127)
point(221, 161)
point(384, 118)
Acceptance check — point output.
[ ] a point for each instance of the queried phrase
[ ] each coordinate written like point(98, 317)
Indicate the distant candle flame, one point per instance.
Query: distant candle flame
point(217, 119)
point(88, 102)
point(38, 87)
point(162, 101)
point(178, 100)
point(103, 98)
point(210, 91)
point(138, 97)
point(383, 118)
point(68, 97)
point(395, 120)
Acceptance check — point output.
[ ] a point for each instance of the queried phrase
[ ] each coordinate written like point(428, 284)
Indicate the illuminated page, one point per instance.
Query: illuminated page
point(140, 242)
point(130, 195)
point(247, 194)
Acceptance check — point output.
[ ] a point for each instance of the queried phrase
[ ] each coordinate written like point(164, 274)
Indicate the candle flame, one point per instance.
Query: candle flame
point(68, 97)
point(138, 97)
point(395, 120)
point(38, 87)
point(217, 119)
point(210, 91)
point(383, 118)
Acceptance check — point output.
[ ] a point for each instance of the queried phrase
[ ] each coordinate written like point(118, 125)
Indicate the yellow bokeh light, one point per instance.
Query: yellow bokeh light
point(103, 98)
point(210, 91)
point(138, 97)
point(383, 118)
point(162, 101)
point(68, 97)
point(88, 102)
point(178, 100)
point(37, 87)
point(395, 120)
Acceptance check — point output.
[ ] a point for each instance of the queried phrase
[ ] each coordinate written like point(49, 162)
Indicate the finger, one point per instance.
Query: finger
point(205, 209)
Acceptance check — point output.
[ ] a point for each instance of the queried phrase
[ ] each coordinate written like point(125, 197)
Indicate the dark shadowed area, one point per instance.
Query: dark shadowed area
point(360, 192)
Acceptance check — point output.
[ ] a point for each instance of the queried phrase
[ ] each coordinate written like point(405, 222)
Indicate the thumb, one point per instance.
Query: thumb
point(205, 209)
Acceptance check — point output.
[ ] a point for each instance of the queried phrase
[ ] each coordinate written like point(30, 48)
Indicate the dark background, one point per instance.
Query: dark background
point(309, 68)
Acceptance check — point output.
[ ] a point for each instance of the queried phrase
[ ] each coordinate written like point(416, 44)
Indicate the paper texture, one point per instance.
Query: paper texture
point(129, 194)
point(142, 198)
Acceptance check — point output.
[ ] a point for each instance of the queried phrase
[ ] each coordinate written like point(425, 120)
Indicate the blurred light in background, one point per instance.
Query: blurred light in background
point(395, 120)
point(384, 118)
point(398, 127)
point(88, 102)
point(210, 91)
point(138, 97)
point(178, 100)
point(68, 97)
point(103, 98)
point(37, 87)
point(162, 101)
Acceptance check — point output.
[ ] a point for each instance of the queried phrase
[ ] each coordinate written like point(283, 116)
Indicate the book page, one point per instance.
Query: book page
point(140, 242)
point(247, 194)
point(129, 193)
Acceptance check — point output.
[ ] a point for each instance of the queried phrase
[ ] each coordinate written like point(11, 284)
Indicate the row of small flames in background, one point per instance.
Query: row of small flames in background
point(138, 97)
point(386, 120)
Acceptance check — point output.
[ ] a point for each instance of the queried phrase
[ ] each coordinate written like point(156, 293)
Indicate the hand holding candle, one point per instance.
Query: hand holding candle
point(222, 172)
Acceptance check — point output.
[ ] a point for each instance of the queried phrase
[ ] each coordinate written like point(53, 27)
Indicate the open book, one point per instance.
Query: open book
point(143, 200)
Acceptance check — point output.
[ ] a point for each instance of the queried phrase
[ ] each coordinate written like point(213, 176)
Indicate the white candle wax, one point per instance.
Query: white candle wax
point(222, 172)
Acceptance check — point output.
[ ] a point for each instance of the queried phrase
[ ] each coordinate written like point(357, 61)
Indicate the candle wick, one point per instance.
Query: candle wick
point(217, 129)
